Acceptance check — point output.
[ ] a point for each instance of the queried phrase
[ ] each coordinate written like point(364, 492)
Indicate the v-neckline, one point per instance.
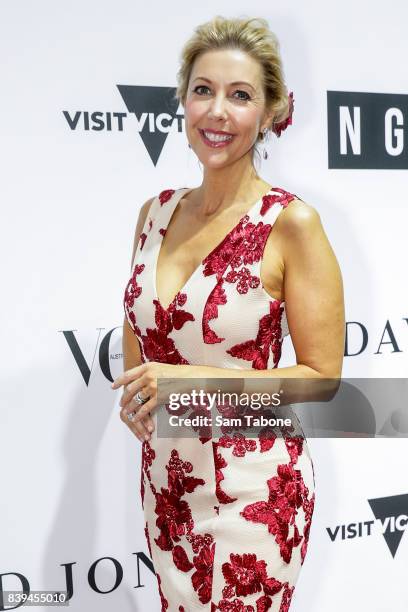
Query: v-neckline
point(157, 250)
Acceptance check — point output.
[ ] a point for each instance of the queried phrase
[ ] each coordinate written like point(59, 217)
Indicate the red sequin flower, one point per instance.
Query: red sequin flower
point(287, 493)
point(269, 338)
point(165, 196)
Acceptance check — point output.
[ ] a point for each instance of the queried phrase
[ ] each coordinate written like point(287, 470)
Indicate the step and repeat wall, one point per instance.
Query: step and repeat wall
point(89, 133)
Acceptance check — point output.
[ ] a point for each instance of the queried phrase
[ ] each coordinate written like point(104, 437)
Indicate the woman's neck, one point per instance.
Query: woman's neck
point(232, 185)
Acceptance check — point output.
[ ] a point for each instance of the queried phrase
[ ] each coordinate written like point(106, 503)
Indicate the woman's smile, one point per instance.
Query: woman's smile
point(216, 139)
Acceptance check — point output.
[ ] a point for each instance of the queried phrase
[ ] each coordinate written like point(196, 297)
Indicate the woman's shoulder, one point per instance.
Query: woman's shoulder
point(159, 199)
point(166, 194)
point(300, 232)
point(299, 217)
point(150, 207)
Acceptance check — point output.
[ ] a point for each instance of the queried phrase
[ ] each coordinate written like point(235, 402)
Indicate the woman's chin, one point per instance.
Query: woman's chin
point(215, 160)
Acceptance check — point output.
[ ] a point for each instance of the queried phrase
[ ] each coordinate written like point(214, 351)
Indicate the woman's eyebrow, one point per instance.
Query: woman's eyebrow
point(233, 83)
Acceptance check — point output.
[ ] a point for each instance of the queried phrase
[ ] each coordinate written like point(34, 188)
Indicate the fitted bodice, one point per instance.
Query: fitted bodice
point(222, 316)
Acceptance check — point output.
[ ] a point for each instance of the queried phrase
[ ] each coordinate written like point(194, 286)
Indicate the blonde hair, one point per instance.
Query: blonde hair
point(251, 35)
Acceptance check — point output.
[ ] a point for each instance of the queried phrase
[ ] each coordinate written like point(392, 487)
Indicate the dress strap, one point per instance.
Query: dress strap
point(157, 217)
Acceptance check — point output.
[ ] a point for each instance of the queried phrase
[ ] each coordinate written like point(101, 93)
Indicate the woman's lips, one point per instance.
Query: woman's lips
point(215, 145)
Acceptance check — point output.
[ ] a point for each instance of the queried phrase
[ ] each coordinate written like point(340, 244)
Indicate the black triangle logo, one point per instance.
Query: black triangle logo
point(385, 507)
point(144, 100)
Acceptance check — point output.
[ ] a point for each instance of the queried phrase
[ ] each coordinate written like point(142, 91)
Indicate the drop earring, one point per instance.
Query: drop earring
point(265, 138)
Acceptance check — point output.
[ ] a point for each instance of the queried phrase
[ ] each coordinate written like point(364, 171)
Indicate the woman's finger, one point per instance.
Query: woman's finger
point(138, 427)
point(144, 409)
point(142, 385)
point(148, 422)
point(127, 377)
point(133, 407)
point(136, 406)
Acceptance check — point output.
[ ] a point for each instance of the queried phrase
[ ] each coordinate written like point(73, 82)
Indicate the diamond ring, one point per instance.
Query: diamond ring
point(139, 399)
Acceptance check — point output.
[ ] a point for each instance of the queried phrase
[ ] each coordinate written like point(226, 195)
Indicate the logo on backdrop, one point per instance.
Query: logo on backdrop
point(367, 130)
point(105, 356)
point(391, 520)
point(155, 110)
point(110, 564)
point(386, 340)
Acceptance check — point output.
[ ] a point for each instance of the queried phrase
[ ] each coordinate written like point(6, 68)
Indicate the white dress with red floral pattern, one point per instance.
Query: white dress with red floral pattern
point(227, 521)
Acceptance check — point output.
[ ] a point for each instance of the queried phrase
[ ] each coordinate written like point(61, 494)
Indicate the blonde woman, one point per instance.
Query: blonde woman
point(213, 292)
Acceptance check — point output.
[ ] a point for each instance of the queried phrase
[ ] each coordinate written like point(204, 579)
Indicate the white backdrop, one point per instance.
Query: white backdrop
point(71, 196)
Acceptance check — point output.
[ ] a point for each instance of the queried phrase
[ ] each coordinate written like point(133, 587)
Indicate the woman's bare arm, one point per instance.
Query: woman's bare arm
point(130, 344)
point(131, 349)
point(313, 292)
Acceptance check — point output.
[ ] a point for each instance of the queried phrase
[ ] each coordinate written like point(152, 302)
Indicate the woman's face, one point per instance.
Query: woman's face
point(224, 107)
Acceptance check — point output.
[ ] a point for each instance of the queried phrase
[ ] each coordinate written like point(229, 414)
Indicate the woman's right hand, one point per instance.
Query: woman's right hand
point(141, 429)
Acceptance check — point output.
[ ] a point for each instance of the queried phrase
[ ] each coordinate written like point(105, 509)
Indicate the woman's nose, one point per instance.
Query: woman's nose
point(217, 108)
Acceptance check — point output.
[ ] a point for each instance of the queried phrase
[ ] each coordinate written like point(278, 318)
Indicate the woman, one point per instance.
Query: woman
point(211, 293)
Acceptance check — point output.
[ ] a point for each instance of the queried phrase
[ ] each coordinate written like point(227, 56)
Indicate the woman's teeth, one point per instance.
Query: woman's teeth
point(217, 137)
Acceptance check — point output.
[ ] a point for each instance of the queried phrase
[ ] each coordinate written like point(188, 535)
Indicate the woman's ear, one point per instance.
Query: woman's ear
point(267, 121)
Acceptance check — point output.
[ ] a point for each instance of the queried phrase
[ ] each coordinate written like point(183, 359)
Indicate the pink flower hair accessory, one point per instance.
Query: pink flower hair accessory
point(278, 128)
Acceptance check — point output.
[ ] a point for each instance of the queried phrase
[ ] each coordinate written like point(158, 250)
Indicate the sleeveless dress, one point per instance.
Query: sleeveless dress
point(227, 521)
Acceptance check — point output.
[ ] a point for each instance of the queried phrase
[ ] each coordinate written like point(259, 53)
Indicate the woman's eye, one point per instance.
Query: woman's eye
point(247, 96)
point(199, 87)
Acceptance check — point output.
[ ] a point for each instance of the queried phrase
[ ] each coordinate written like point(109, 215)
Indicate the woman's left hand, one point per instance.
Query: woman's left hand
point(143, 378)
